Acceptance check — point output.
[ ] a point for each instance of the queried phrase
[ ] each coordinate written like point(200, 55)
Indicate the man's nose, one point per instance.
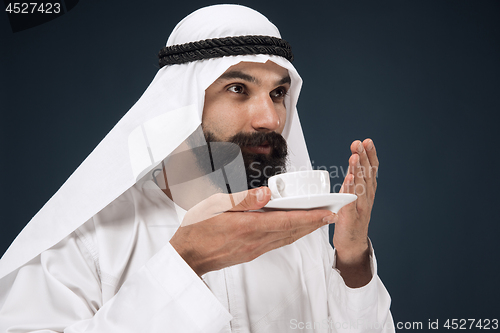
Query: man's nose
point(265, 115)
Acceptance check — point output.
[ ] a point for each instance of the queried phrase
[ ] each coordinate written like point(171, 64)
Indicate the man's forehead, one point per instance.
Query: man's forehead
point(253, 71)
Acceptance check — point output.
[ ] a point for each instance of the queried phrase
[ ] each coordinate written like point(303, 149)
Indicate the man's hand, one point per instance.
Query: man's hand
point(229, 234)
point(351, 229)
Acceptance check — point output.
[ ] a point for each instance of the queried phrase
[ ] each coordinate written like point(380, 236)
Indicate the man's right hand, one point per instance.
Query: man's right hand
point(229, 234)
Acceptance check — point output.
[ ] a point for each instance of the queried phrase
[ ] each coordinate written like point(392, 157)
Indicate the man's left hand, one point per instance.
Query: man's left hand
point(351, 229)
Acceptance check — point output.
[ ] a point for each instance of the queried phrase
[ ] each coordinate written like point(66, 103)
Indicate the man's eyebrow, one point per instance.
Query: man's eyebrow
point(249, 78)
point(238, 75)
point(285, 80)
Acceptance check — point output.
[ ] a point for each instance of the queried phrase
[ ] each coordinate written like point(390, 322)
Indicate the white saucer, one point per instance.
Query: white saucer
point(330, 201)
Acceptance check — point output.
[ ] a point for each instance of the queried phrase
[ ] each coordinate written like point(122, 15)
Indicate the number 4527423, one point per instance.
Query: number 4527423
point(463, 324)
point(33, 8)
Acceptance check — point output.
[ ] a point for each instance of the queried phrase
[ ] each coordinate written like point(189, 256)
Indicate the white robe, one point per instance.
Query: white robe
point(119, 273)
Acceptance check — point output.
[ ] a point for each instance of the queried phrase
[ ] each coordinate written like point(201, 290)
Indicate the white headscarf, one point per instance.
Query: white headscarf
point(165, 115)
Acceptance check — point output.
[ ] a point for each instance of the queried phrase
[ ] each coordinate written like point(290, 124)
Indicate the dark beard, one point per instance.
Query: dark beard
point(259, 167)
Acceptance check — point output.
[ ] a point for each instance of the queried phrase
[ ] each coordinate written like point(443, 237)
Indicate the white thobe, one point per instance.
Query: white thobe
point(119, 273)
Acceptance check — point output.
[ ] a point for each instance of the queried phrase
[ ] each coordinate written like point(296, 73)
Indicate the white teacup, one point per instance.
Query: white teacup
point(299, 183)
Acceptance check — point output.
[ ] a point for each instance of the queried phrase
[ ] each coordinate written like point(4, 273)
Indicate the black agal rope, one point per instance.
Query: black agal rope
point(222, 47)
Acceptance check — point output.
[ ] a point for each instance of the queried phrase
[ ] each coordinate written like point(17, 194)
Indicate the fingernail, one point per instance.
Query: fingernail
point(330, 219)
point(370, 145)
point(360, 148)
point(260, 194)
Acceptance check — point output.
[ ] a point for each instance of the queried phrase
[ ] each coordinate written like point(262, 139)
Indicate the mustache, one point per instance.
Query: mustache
point(273, 139)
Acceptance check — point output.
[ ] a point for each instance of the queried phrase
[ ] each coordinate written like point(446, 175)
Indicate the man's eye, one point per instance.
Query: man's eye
point(236, 89)
point(279, 93)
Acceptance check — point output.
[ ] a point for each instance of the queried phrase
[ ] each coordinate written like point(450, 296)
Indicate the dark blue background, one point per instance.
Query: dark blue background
point(419, 77)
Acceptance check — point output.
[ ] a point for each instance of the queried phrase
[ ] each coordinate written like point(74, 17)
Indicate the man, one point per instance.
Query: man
point(106, 253)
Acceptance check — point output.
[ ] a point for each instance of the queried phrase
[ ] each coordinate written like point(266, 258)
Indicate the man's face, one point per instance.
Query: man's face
point(245, 105)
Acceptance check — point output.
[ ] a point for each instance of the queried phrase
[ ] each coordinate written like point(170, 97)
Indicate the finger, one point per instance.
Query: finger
point(221, 202)
point(345, 188)
point(360, 187)
point(371, 152)
point(354, 146)
point(286, 221)
point(372, 157)
point(250, 200)
point(237, 202)
point(349, 186)
point(365, 162)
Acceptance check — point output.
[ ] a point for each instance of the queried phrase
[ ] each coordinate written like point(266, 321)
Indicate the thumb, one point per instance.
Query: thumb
point(221, 202)
point(251, 199)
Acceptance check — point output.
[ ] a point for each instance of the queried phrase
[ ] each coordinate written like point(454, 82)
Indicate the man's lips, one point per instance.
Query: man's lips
point(264, 148)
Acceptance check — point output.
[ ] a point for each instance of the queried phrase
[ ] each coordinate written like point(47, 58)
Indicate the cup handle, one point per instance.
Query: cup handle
point(276, 185)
